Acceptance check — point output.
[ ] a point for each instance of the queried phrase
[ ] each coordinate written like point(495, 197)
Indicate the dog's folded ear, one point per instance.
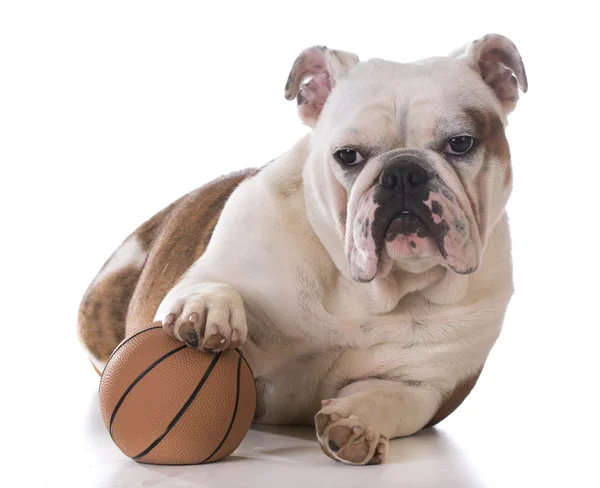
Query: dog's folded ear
point(499, 63)
point(324, 67)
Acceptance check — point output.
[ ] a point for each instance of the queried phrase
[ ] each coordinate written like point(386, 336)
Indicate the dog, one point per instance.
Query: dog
point(364, 273)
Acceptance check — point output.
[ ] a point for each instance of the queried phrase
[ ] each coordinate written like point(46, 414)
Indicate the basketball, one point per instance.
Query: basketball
point(166, 403)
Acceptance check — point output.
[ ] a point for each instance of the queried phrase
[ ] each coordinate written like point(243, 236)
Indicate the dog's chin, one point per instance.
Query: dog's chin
point(407, 239)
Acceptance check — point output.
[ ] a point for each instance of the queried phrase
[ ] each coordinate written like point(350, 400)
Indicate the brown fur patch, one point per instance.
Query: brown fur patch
point(176, 236)
point(492, 135)
point(454, 399)
point(147, 232)
point(102, 313)
point(103, 309)
point(183, 240)
point(496, 151)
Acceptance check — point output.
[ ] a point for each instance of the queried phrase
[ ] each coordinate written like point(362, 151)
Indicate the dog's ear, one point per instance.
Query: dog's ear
point(325, 67)
point(499, 63)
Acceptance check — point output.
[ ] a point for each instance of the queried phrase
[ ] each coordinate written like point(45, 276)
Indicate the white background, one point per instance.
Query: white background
point(111, 110)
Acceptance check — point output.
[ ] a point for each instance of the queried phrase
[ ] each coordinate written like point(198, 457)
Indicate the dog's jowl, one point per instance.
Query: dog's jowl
point(364, 273)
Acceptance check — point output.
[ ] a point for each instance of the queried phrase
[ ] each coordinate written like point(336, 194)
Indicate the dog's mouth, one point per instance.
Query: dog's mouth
point(406, 223)
point(408, 237)
point(413, 222)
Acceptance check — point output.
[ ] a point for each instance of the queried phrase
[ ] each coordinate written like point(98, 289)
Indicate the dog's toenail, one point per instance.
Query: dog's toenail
point(333, 446)
point(193, 317)
point(335, 416)
point(192, 338)
point(169, 319)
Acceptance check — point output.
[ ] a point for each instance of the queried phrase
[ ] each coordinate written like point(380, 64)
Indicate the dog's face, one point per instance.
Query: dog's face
point(412, 158)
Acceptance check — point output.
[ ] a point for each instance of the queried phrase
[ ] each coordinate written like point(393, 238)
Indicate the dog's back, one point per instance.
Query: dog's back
point(127, 291)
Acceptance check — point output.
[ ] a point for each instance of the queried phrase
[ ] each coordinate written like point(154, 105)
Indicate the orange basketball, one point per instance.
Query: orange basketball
point(165, 403)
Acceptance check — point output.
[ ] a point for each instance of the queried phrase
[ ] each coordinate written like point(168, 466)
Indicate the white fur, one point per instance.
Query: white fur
point(128, 253)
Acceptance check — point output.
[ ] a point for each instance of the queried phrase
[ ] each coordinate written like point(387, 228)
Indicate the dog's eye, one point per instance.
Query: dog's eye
point(459, 145)
point(348, 156)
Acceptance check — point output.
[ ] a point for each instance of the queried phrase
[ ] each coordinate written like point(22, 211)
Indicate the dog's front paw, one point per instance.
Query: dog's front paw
point(209, 317)
point(347, 437)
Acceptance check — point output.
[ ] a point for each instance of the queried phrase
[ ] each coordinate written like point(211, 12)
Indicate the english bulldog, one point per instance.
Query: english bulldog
point(365, 273)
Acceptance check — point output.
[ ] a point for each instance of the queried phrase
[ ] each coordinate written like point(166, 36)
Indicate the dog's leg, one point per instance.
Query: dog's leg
point(354, 428)
point(207, 316)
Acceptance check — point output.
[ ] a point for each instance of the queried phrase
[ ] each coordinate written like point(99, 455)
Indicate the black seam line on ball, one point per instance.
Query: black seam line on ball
point(246, 361)
point(235, 408)
point(125, 341)
point(136, 381)
point(129, 338)
point(183, 409)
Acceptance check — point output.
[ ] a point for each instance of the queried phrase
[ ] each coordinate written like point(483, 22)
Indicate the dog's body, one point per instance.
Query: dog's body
point(344, 269)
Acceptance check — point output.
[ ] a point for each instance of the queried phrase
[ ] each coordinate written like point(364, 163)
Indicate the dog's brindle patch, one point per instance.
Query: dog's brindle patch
point(103, 309)
point(175, 251)
point(126, 301)
point(102, 313)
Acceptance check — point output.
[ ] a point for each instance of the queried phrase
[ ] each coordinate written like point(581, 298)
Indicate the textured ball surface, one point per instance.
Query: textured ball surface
point(165, 403)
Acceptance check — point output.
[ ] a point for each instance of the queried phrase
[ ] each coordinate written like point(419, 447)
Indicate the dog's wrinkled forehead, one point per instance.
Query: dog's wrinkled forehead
point(395, 104)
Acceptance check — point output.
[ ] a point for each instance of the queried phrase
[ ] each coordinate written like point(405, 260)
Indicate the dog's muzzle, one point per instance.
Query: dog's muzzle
point(407, 200)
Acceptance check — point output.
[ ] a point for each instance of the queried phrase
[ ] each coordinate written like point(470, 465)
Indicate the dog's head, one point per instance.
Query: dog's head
point(410, 161)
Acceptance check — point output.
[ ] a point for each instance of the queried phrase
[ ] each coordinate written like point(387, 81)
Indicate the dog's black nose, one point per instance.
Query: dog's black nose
point(404, 176)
